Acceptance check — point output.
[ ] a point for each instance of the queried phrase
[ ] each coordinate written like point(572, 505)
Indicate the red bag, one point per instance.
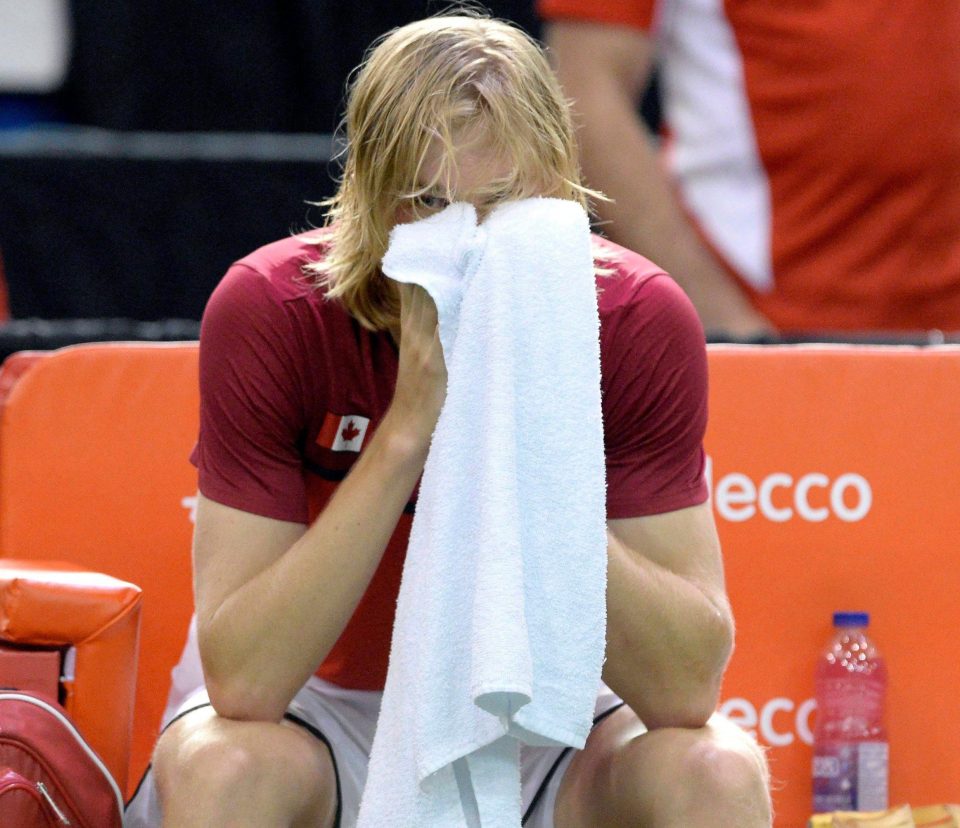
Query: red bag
point(49, 776)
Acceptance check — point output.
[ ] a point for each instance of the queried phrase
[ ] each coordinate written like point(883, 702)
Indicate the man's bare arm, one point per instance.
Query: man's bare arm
point(273, 597)
point(669, 625)
point(605, 69)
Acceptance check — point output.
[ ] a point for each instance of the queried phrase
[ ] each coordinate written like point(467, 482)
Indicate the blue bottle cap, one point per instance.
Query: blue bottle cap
point(851, 619)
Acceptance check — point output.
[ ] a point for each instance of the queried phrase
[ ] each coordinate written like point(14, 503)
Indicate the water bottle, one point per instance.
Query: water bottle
point(850, 750)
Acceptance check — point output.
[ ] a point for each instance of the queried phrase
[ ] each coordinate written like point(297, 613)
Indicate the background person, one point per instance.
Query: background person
point(810, 174)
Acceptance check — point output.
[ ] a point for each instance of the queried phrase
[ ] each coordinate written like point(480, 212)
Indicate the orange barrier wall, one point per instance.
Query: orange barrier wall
point(833, 482)
point(834, 476)
point(94, 446)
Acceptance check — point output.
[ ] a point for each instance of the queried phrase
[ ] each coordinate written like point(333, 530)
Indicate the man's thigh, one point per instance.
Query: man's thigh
point(210, 770)
point(334, 725)
point(543, 769)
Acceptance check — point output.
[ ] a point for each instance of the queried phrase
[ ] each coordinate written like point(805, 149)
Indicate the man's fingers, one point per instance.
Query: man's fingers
point(417, 304)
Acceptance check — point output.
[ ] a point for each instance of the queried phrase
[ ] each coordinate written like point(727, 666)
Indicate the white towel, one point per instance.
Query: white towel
point(500, 626)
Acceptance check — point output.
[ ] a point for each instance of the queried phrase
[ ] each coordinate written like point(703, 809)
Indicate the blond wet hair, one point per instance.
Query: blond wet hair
point(426, 83)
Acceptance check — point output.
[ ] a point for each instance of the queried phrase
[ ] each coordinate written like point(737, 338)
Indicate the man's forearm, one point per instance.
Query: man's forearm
point(267, 637)
point(668, 641)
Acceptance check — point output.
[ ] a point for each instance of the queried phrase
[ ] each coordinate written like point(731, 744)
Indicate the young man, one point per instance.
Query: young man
point(314, 365)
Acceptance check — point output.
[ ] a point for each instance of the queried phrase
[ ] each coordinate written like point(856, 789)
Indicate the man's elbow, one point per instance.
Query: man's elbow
point(234, 685)
point(236, 699)
point(707, 673)
point(721, 637)
point(690, 707)
point(695, 693)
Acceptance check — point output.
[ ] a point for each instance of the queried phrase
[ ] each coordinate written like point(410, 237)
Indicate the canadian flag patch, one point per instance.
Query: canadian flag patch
point(343, 432)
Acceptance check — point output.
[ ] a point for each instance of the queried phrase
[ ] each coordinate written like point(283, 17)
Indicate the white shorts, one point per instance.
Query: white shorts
point(345, 721)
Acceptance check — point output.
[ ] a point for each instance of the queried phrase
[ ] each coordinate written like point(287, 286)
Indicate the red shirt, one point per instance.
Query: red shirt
point(279, 364)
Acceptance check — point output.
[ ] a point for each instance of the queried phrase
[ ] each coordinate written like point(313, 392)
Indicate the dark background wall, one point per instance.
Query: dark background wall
point(184, 135)
point(141, 225)
point(246, 65)
point(101, 215)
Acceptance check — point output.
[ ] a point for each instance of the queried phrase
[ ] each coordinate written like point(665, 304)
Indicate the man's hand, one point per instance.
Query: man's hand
point(421, 374)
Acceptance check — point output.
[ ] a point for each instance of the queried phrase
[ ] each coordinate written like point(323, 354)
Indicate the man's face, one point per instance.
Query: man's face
point(470, 178)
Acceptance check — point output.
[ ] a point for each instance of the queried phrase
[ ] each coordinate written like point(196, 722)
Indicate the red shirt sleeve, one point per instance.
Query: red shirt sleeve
point(638, 14)
point(653, 354)
point(251, 409)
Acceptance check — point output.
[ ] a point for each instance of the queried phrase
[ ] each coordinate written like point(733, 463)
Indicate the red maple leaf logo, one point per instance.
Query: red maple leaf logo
point(351, 432)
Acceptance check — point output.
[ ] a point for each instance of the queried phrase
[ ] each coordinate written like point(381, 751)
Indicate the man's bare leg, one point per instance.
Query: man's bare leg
point(625, 777)
point(215, 771)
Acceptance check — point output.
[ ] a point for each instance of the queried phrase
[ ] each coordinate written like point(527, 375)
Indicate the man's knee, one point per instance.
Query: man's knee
point(677, 776)
point(203, 758)
point(726, 763)
point(215, 760)
point(723, 768)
